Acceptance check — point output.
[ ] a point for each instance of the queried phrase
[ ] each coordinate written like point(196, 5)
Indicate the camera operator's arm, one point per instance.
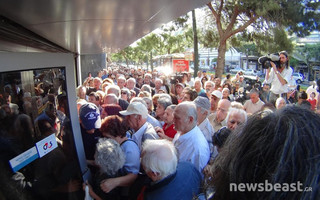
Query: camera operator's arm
point(278, 75)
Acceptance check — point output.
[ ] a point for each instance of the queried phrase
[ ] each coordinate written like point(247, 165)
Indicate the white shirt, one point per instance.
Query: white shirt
point(276, 86)
point(193, 147)
point(253, 107)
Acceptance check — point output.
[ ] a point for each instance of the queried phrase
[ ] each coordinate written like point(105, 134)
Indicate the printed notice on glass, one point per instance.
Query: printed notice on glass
point(46, 145)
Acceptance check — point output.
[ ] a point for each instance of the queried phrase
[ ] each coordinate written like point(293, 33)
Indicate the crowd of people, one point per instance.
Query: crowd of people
point(149, 136)
point(182, 124)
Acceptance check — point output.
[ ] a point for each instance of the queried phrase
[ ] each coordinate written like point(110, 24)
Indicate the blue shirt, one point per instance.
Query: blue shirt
point(132, 152)
point(184, 184)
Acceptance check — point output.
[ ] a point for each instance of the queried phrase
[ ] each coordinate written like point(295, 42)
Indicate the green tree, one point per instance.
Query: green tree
point(308, 54)
point(234, 17)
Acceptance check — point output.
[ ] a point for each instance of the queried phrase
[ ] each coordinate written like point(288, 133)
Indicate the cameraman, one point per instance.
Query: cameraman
point(279, 77)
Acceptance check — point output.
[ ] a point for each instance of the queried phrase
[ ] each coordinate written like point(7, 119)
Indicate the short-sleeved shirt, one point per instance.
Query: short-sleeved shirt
point(276, 86)
point(132, 152)
point(193, 147)
point(253, 107)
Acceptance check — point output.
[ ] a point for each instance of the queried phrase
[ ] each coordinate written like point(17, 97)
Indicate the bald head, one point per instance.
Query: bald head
point(223, 109)
point(185, 117)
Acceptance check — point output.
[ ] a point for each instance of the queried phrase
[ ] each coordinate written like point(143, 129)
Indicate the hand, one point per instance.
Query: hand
point(273, 66)
point(160, 131)
point(108, 184)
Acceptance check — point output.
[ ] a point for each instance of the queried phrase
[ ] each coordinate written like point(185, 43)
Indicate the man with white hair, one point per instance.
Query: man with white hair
point(131, 85)
point(190, 142)
point(121, 81)
point(236, 117)
point(110, 99)
point(209, 87)
point(203, 107)
point(114, 89)
point(159, 86)
point(136, 117)
point(170, 179)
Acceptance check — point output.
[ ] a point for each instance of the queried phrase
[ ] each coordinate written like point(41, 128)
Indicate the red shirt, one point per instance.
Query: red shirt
point(169, 131)
point(313, 103)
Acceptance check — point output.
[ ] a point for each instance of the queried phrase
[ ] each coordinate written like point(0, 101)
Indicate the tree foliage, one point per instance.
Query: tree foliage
point(234, 17)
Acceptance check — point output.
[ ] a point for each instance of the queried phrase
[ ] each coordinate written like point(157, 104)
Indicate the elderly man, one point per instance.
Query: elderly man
point(209, 87)
point(131, 85)
point(136, 117)
point(218, 119)
point(159, 86)
point(254, 104)
point(216, 95)
point(170, 179)
point(236, 117)
point(153, 121)
point(121, 81)
point(114, 89)
point(190, 142)
point(203, 106)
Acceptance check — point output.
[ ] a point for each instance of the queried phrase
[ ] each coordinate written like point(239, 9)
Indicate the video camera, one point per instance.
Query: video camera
point(265, 60)
point(177, 78)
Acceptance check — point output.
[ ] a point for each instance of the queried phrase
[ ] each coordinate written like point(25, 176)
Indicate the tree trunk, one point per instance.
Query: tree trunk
point(221, 59)
point(151, 63)
point(195, 44)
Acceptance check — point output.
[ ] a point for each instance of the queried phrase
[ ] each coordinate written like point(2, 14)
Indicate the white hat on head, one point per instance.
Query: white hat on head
point(217, 93)
point(135, 108)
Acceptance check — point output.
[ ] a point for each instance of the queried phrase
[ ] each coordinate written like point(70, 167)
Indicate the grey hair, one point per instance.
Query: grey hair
point(127, 91)
point(191, 110)
point(131, 79)
point(114, 89)
point(114, 98)
point(158, 79)
point(109, 156)
point(203, 103)
point(238, 111)
point(139, 99)
point(165, 102)
point(278, 101)
point(159, 156)
point(146, 87)
point(207, 82)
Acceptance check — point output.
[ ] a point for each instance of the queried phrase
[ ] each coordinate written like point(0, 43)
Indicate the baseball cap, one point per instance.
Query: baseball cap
point(202, 102)
point(217, 93)
point(180, 84)
point(90, 116)
point(135, 108)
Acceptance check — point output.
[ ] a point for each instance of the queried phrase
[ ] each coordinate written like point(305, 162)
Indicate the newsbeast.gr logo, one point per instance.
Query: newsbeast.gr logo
point(268, 187)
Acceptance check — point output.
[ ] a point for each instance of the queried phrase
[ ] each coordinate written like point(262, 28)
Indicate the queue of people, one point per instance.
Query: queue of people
point(195, 124)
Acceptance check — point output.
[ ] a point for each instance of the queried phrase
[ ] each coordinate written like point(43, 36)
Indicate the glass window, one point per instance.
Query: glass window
point(38, 155)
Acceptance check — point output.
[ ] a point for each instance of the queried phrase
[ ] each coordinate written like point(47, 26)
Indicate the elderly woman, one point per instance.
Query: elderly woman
point(114, 127)
point(163, 103)
point(167, 131)
point(110, 158)
point(125, 94)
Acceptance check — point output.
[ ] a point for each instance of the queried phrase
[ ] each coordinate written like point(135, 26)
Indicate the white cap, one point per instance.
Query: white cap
point(135, 108)
point(217, 93)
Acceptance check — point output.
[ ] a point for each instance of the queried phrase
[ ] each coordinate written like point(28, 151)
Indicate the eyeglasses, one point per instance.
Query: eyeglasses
point(123, 93)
